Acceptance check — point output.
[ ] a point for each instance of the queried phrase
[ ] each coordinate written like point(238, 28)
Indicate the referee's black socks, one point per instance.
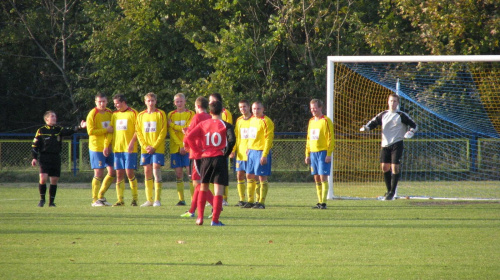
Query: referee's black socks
point(42, 188)
point(52, 193)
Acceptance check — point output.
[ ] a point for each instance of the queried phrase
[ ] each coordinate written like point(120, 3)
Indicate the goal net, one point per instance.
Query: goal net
point(455, 101)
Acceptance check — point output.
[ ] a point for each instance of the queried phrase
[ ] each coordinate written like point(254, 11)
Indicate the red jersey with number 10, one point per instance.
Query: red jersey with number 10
point(212, 135)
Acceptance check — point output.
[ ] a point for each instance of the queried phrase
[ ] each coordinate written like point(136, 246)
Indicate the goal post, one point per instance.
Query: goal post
point(454, 99)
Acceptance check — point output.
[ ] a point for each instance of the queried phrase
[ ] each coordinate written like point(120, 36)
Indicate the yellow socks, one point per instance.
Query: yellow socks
point(148, 186)
point(135, 189)
point(180, 189)
point(257, 192)
point(158, 186)
point(191, 188)
point(120, 189)
point(108, 180)
point(241, 190)
point(319, 192)
point(264, 186)
point(96, 184)
point(251, 190)
point(324, 189)
point(226, 192)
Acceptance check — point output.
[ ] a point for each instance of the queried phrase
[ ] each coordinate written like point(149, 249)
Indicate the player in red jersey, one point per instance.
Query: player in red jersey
point(227, 117)
point(201, 106)
point(218, 140)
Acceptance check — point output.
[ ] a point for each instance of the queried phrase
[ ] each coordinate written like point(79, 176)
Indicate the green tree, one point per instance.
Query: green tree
point(137, 48)
point(40, 58)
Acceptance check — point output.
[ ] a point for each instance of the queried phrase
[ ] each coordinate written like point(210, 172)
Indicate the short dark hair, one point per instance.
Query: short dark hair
point(217, 96)
point(202, 101)
point(100, 95)
point(244, 101)
point(215, 107)
point(395, 96)
point(120, 97)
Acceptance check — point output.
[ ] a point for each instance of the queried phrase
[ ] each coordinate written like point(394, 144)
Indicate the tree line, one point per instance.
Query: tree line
point(57, 54)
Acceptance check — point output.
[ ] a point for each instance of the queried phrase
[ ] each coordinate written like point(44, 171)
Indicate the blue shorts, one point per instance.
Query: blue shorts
point(125, 161)
point(241, 165)
point(254, 166)
point(154, 158)
point(318, 164)
point(99, 161)
point(178, 160)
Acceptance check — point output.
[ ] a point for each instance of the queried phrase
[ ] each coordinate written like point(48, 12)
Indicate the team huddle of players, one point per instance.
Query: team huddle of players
point(200, 143)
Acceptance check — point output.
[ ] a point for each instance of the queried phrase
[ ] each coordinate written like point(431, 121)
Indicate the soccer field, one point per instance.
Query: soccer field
point(363, 239)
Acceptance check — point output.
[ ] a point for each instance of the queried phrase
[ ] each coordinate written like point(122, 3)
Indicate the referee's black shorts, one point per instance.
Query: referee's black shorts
point(50, 164)
point(392, 153)
point(214, 170)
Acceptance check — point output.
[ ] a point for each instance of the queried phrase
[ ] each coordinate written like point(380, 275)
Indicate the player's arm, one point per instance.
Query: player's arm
point(132, 143)
point(68, 131)
point(91, 126)
point(228, 117)
point(35, 147)
point(179, 128)
point(238, 140)
point(109, 136)
point(373, 123)
point(330, 139)
point(307, 159)
point(163, 131)
point(269, 137)
point(173, 136)
point(139, 132)
point(190, 139)
point(231, 139)
point(405, 119)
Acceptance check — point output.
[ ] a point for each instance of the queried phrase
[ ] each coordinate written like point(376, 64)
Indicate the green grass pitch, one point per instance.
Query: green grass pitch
point(364, 239)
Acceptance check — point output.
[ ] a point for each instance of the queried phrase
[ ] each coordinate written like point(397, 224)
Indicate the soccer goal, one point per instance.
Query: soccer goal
point(455, 100)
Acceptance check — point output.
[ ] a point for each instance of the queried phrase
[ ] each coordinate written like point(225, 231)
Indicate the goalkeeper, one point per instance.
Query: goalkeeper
point(396, 125)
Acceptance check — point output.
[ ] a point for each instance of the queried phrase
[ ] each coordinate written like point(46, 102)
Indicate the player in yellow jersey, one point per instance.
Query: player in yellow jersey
point(97, 123)
point(319, 149)
point(240, 149)
point(121, 135)
point(227, 117)
point(151, 132)
point(179, 157)
point(260, 142)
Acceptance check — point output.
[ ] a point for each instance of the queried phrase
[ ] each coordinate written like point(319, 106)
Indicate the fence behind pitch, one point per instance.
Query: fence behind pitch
point(15, 153)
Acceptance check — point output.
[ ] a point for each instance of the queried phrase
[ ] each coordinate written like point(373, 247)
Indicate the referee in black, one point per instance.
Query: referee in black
point(46, 151)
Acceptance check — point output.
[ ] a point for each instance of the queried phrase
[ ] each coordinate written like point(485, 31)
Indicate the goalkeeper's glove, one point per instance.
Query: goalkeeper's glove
point(364, 128)
point(409, 134)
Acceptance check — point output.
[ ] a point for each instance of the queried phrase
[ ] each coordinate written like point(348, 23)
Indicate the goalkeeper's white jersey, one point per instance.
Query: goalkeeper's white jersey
point(394, 126)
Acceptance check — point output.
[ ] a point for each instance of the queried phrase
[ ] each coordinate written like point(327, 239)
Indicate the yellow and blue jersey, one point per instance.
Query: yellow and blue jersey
point(152, 130)
point(123, 124)
point(97, 125)
point(320, 136)
point(178, 121)
point(261, 134)
point(241, 132)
